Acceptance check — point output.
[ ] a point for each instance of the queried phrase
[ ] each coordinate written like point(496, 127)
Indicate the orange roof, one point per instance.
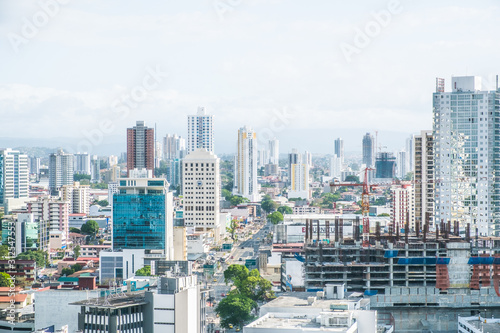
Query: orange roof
point(4, 289)
point(17, 298)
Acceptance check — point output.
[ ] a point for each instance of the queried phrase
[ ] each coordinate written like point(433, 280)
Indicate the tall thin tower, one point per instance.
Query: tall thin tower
point(200, 131)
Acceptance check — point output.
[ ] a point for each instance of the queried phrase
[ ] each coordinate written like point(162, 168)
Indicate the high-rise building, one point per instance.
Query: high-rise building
point(78, 197)
point(34, 165)
point(402, 164)
point(174, 173)
point(339, 149)
point(201, 192)
point(14, 175)
point(95, 170)
point(293, 158)
point(385, 165)
point(410, 153)
point(274, 151)
point(21, 233)
point(52, 216)
point(245, 175)
point(368, 150)
point(140, 147)
point(335, 167)
point(402, 210)
point(467, 161)
point(174, 147)
point(308, 159)
point(61, 167)
point(424, 178)
point(299, 187)
point(112, 160)
point(82, 163)
point(200, 131)
point(262, 157)
point(143, 215)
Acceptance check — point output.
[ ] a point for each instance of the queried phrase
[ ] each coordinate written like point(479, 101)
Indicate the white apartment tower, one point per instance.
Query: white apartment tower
point(467, 164)
point(402, 206)
point(60, 170)
point(200, 131)
point(424, 177)
point(51, 212)
point(299, 181)
point(14, 175)
point(78, 197)
point(245, 176)
point(174, 147)
point(201, 192)
point(335, 167)
point(274, 151)
point(338, 149)
point(82, 163)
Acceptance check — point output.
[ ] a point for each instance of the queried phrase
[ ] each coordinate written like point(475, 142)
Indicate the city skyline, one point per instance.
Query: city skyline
point(241, 48)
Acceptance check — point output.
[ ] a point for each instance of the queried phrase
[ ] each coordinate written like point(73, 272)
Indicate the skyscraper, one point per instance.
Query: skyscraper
point(368, 150)
point(385, 165)
point(245, 176)
point(339, 149)
point(299, 187)
point(95, 170)
point(14, 175)
point(274, 151)
point(200, 131)
point(140, 147)
point(402, 164)
point(293, 158)
point(174, 146)
point(61, 168)
point(201, 192)
point(82, 163)
point(78, 197)
point(143, 215)
point(467, 163)
point(424, 177)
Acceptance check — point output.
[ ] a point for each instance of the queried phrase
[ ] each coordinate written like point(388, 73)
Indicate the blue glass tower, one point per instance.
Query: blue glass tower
point(142, 215)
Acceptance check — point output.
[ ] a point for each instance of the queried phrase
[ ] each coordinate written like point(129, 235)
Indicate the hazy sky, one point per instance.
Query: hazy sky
point(303, 71)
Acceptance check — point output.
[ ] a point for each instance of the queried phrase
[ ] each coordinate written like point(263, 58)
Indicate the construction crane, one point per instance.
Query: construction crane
point(365, 203)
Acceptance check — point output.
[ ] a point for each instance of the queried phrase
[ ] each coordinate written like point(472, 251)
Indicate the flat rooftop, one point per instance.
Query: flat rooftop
point(299, 299)
point(293, 321)
point(114, 301)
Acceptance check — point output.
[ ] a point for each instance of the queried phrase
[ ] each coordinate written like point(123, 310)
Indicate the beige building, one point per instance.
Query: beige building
point(424, 177)
point(78, 197)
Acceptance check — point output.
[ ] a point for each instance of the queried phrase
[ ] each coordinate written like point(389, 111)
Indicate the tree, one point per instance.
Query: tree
point(145, 271)
point(232, 229)
point(4, 279)
point(41, 257)
point(383, 215)
point(226, 194)
point(103, 203)
point(352, 179)
point(236, 200)
point(71, 270)
point(90, 228)
point(76, 251)
point(76, 230)
point(275, 217)
point(285, 210)
point(4, 251)
point(268, 205)
point(235, 310)
point(79, 176)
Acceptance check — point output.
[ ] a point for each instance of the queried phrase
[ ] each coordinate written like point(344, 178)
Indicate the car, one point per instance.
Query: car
point(215, 280)
point(241, 259)
point(230, 326)
point(237, 329)
point(232, 257)
point(223, 295)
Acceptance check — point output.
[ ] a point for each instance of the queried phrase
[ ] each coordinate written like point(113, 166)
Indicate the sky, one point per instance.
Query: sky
point(76, 74)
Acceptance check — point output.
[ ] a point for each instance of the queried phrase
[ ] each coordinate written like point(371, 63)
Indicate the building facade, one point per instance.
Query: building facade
point(245, 175)
point(61, 169)
point(14, 175)
point(52, 215)
point(77, 196)
point(274, 151)
point(82, 163)
point(467, 161)
point(424, 178)
point(200, 131)
point(368, 150)
point(299, 187)
point(174, 146)
point(338, 149)
point(140, 147)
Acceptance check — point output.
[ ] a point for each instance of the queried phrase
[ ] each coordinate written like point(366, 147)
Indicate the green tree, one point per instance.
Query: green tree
point(232, 229)
point(4, 279)
point(100, 186)
point(226, 194)
point(352, 179)
point(285, 210)
point(235, 310)
point(90, 228)
point(145, 271)
point(275, 217)
point(383, 215)
point(76, 230)
point(41, 257)
point(4, 251)
point(103, 203)
point(78, 177)
point(236, 200)
point(76, 251)
point(268, 205)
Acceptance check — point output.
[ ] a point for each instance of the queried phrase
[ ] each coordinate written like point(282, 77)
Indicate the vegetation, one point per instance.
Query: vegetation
point(226, 174)
point(100, 186)
point(76, 251)
point(79, 176)
point(70, 270)
point(383, 215)
point(41, 257)
point(232, 229)
point(4, 279)
point(73, 229)
point(285, 210)
point(327, 199)
point(162, 170)
point(145, 271)
point(236, 200)
point(268, 205)
point(4, 251)
point(352, 179)
point(275, 217)
point(103, 203)
point(250, 288)
point(90, 228)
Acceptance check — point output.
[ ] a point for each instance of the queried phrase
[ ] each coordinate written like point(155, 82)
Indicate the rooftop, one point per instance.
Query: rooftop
point(117, 301)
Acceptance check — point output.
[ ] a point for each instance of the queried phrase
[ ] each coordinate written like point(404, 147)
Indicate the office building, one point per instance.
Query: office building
point(174, 146)
point(35, 166)
point(140, 147)
point(112, 160)
point(14, 176)
point(95, 169)
point(201, 192)
point(299, 187)
point(245, 175)
point(293, 158)
point(402, 164)
point(262, 157)
point(410, 153)
point(338, 149)
point(174, 173)
point(466, 157)
point(143, 215)
point(385, 165)
point(52, 215)
point(20, 232)
point(368, 150)
point(200, 131)
point(82, 163)
point(77, 196)
point(424, 177)
point(120, 265)
point(335, 167)
point(61, 167)
point(402, 210)
point(274, 151)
